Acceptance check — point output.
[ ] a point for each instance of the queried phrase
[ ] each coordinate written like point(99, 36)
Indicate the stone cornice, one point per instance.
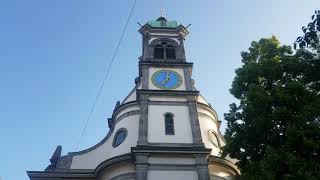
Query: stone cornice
point(167, 92)
point(224, 162)
point(165, 64)
point(170, 148)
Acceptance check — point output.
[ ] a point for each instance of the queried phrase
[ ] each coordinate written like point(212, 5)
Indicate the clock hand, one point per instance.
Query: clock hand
point(166, 79)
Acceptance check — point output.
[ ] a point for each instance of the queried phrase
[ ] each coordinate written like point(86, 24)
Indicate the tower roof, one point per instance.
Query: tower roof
point(162, 22)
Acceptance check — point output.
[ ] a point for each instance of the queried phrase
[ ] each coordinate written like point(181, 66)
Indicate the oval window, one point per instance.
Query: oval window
point(119, 137)
point(214, 138)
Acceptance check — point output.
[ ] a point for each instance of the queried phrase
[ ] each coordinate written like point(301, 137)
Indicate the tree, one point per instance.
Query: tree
point(310, 38)
point(274, 130)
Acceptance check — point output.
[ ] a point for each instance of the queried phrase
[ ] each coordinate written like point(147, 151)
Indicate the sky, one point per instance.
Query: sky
point(53, 55)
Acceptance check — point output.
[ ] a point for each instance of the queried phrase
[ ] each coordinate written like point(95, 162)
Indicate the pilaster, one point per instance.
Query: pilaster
point(141, 166)
point(202, 167)
point(143, 120)
point(194, 120)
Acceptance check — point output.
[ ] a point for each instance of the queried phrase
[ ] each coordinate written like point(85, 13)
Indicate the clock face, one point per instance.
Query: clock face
point(166, 79)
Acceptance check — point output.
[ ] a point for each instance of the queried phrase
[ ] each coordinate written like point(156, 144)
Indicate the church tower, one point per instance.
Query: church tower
point(164, 128)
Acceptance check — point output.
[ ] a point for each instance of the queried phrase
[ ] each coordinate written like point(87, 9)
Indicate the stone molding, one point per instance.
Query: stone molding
point(70, 174)
point(209, 109)
point(128, 176)
point(175, 148)
point(172, 167)
point(166, 92)
point(166, 64)
point(123, 106)
point(146, 30)
point(130, 113)
point(109, 162)
point(224, 162)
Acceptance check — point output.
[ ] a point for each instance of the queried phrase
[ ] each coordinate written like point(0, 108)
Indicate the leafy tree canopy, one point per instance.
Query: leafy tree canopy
point(274, 131)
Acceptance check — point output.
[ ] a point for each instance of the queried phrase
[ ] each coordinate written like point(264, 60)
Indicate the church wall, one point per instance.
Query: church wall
point(206, 112)
point(172, 167)
point(156, 125)
point(178, 70)
point(206, 124)
point(91, 159)
point(116, 170)
point(168, 175)
point(127, 109)
point(202, 100)
point(171, 160)
point(168, 98)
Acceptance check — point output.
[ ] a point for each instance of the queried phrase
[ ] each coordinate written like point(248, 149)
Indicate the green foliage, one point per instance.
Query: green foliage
point(310, 38)
point(274, 131)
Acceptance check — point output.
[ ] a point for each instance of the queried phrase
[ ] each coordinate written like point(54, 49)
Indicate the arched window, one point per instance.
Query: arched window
point(169, 124)
point(159, 51)
point(170, 52)
point(119, 137)
point(164, 51)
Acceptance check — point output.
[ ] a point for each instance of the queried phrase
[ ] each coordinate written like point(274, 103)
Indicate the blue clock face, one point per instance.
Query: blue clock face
point(166, 79)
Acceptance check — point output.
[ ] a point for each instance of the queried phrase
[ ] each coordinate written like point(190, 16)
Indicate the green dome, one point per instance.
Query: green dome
point(162, 22)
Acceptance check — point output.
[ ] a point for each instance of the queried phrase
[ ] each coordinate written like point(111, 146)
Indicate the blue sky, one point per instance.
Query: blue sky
point(53, 54)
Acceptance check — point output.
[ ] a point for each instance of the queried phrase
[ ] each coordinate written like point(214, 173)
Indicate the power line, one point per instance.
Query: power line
point(106, 75)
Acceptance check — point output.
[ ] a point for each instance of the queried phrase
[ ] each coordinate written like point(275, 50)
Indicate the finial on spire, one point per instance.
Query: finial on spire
point(161, 12)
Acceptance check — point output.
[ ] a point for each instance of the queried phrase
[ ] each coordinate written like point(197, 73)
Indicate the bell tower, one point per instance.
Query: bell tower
point(168, 124)
point(163, 41)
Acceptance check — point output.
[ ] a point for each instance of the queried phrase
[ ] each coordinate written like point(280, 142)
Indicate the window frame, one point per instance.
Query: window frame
point(169, 48)
point(159, 47)
point(166, 130)
point(213, 133)
point(116, 135)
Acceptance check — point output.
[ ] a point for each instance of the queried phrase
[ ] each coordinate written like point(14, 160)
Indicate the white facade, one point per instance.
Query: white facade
point(156, 124)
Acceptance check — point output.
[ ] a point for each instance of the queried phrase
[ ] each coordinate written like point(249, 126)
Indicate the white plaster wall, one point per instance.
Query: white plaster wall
point(92, 159)
point(167, 98)
point(172, 175)
point(207, 112)
point(127, 109)
point(116, 170)
point(207, 124)
point(156, 126)
point(178, 70)
point(201, 99)
point(172, 160)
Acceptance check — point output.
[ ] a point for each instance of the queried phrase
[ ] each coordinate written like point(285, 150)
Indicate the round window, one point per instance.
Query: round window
point(119, 137)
